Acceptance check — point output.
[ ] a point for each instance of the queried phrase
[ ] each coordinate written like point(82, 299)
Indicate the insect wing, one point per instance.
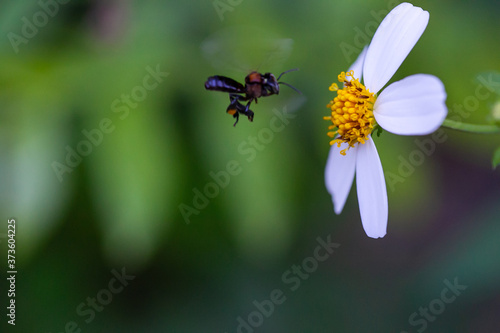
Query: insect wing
point(243, 49)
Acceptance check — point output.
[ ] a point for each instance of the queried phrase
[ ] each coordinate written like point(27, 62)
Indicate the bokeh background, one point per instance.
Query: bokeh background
point(120, 207)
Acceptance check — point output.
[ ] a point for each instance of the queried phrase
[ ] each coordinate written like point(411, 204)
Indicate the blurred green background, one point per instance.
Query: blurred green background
point(84, 70)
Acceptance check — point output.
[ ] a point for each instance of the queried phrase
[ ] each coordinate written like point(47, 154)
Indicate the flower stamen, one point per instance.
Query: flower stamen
point(351, 112)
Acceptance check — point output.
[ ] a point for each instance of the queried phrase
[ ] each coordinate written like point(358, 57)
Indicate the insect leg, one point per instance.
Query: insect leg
point(246, 110)
point(237, 116)
point(234, 107)
point(247, 107)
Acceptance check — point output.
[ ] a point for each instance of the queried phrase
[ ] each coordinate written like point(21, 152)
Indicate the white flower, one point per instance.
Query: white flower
point(412, 106)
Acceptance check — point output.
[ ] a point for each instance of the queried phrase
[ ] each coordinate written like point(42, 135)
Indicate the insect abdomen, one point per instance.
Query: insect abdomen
point(225, 84)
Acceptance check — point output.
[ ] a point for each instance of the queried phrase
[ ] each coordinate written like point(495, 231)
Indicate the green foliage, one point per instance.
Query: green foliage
point(496, 158)
point(116, 204)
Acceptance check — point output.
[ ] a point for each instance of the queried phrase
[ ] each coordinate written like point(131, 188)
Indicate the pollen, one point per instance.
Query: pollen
point(351, 112)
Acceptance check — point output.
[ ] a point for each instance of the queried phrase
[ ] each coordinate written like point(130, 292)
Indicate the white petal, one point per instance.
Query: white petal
point(357, 66)
point(412, 106)
point(395, 37)
point(372, 193)
point(339, 174)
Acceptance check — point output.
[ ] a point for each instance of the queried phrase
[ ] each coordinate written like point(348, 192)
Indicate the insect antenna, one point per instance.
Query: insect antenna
point(288, 71)
point(289, 85)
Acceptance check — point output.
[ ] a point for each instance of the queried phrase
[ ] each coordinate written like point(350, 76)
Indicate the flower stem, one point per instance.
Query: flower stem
point(471, 128)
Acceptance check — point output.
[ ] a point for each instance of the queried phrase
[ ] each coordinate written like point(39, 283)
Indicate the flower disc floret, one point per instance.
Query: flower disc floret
point(351, 112)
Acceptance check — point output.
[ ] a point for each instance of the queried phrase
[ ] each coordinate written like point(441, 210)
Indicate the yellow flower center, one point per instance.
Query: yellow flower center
point(352, 112)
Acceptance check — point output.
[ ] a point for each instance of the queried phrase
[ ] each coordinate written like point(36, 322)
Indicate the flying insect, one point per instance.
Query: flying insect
point(257, 85)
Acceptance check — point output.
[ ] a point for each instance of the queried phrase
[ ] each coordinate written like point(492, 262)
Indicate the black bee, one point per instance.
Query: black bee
point(256, 85)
